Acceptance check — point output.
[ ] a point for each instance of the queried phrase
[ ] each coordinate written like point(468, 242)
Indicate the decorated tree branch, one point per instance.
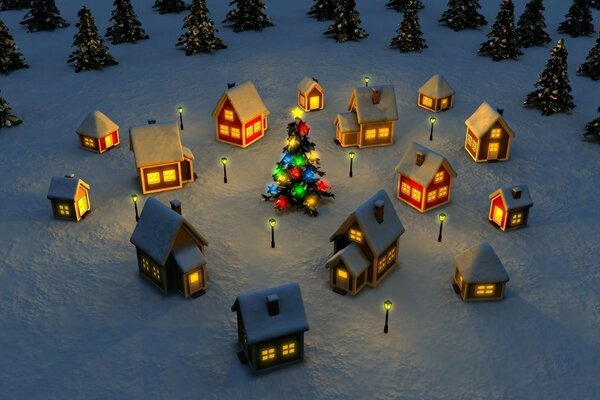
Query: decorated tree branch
point(578, 21)
point(247, 15)
point(346, 23)
point(126, 27)
point(43, 16)
point(200, 35)
point(323, 10)
point(531, 26)
point(591, 65)
point(410, 36)
point(11, 57)
point(170, 6)
point(503, 43)
point(463, 14)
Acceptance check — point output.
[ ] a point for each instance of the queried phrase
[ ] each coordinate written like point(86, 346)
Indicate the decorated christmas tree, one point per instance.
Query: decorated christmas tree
point(553, 90)
point(91, 52)
point(247, 15)
point(126, 27)
point(592, 128)
point(14, 4)
point(463, 14)
point(200, 36)
point(531, 25)
point(297, 175)
point(322, 9)
point(591, 66)
point(346, 22)
point(10, 55)
point(502, 43)
point(170, 6)
point(400, 5)
point(7, 119)
point(410, 36)
point(578, 21)
point(43, 16)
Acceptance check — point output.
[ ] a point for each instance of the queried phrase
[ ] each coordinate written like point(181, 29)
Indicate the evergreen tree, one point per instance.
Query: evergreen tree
point(553, 90)
point(578, 21)
point(200, 36)
point(91, 52)
point(297, 175)
point(502, 43)
point(10, 55)
point(592, 128)
point(322, 10)
point(7, 119)
point(531, 25)
point(43, 16)
point(591, 66)
point(248, 15)
point(595, 4)
point(410, 37)
point(346, 22)
point(463, 14)
point(170, 6)
point(14, 4)
point(400, 5)
point(126, 27)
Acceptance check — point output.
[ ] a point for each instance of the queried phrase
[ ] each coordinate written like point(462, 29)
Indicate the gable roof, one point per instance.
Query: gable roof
point(480, 264)
point(65, 188)
point(482, 120)
point(259, 325)
point(156, 144)
point(436, 87)
point(367, 112)
point(422, 174)
point(245, 101)
point(96, 125)
point(378, 236)
point(508, 199)
point(353, 258)
point(306, 85)
point(157, 228)
point(348, 122)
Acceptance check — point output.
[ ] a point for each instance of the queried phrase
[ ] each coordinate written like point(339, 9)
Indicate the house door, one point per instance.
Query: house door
point(341, 278)
point(493, 151)
point(315, 103)
point(82, 205)
point(195, 281)
point(497, 215)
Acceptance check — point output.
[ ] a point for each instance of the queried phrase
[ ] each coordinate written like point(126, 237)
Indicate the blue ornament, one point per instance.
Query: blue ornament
point(287, 158)
point(272, 189)
point(310, 176)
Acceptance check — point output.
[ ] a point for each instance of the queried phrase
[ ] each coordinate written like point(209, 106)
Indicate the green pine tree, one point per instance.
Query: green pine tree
point(595, 4)
point(170, 6)
point(463, 14)
point(503, 43)
point(410, 36)
point(200, 36)
point(591, 66)
point(7, 119)
point(14, 4)
point(91, 53)
point(43, 16)
point(400, 5)
point(346, 22)
point(125, 28)
point(10, 55)
point(578, 21)
point(592, 128)
point(323, 10)
point(247, 15)
point(531, 25)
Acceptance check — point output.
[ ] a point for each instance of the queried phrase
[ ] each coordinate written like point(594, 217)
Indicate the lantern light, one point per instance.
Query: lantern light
point(432, 119)
point(134, 197)
point(367, 80)
point(442, 217)
point(272, 222)
point(387, 305)
point(224, 160)
point(180, 109)
point(351, 155)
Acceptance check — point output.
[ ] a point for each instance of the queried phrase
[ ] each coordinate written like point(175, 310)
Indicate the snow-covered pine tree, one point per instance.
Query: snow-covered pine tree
point(531, 26)
point(200, 36)
point(502, 43)
point(400, 5)
point(346, 22)
point(592, 128)
point(595, 4)
point(11, 57)
point(591, 66)
point(7, 119)
point(322, 10)
point(43, 16)
point(578, 21)
point(410, 36)
point(14, 4)
point(126, 27)
point(247, 15)
point(91, 52)
point(170, 6)
point(463, 14)
point(553, 90)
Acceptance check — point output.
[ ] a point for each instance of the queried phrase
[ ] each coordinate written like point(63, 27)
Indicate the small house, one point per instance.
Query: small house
point(98, 133)
point(488, 135)
point(479, 274)
point(370, 119)
point(424, 178)
point(365, 246)
point(509, 207)
point(240, 116)
point(161, 161)
point(170, 252)
point(436, 94)
point(311, 96)
point(70, 197)
point(271, 325)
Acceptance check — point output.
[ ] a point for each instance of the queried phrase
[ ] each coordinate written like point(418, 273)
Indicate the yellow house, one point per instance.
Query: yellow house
point(311, 95)
point(436, 94)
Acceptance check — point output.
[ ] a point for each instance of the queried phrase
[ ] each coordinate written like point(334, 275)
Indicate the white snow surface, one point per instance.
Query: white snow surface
point(78, 322)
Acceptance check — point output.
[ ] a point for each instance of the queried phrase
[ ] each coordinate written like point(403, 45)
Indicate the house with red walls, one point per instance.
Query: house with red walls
point(98, 133)
point(509, 207)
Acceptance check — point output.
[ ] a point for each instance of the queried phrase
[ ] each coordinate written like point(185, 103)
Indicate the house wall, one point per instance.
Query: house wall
point(363, 142)
point(435, 186)
point(379, 276)
point(256, 135)
point(314, 92)
point(525, 212)
point(438, 103)
point(82, 143)
point(159, 187)
point(485, 141)
point(472, 151)
point(469, 294)
point(71, 206)
point(497, 201)
point(187, 170)
point(421, 104)
point(236, 123)
point(279, 359)
point(407, 198)
point(302, 101)
point(163, 283)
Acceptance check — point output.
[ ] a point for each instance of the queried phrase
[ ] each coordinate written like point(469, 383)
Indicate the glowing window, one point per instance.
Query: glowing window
point(288, 349)
point(249, 131)
point(370, 134)
point(444, 102)
point(63, 209)
point(82, 205)
point(194, 277)
point(516, 219)
point(108, 141)
point(439, 177)
point(315, 102)
point(498, 214)
point(355, 235)
point(257, 126)
point(472, 142)
point(442, 192)
point(405, 188)
point(496, 132)
point(228, 114)
point(267, 354)
point(156, 273)
point(432, 196)
point(427, 101)
point(484, 290)
point(89, 142)
point(381, 264)
point(391, 255)
point(341, 273)
point(384, 133)
point(145, 264)
point(153, 178)
point(493, 147)
point(169, 175)
point(416, 194)
point(223, 130)
point(235, 133)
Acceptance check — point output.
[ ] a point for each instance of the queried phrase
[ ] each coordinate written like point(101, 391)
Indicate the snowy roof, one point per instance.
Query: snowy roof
point(480, 264)
point(482, 120)
point(378, 236)
point(245, 100)
point(367, 112)
point(348, 122)
point(156, 144)
point(508, 199)
point(422, 174)
point(436, 87)
point(188, 257)
point(65, 188)
point(96, 125)
point(187, 153)
point(353, 258)
point(306, 85)
point(261, 326)
point(157, 228)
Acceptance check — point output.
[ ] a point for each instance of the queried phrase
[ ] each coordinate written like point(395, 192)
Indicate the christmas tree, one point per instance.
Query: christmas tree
point(200, 36)
point(591, 66)
point(502, 43)
point(43, 16)
point(463, 14)
point(346, 22)
point(400, 5)
point(126, 27)
point(531, 25)
point(247, 15)
point(14, 4)
point(7, 119)
point(410, 37)
point(91, 52)
point(578, 20)
point(10, 55)
point(553, 93)
point(592, 128)
point(297, 175)
point(322, 9)
point(170, 6)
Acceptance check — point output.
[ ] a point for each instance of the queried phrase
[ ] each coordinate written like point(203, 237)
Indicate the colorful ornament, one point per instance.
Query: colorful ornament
point(272, 189)
point(287, 158)
point(295, 173)
point(283, 178)
point(293, 143)
point(303, 128)
point(323, 186)
point(299, 160)
point(310, 176)
point(282, 202)
point(278, 170)
point(299, 190)
point(311, 201)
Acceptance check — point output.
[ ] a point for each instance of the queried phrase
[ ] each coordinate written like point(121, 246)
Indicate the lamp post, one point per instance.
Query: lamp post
point(180, 109)
point(432, 120)
point(134, 197)
point(351, 156)
point(224, 162)
point(272, 222)
point(442, 217)
point(388, 306)
point(366, 81)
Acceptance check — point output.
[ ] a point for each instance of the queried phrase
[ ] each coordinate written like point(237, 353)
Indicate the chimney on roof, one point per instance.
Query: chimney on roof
point(376, 95)
point(273, 304)
point(378, 209)
point(315, 79)
point(516, 193)
point(151, 121)
point(176, 206)
point(71, 176)
point(230, 85)
point(420, 158)
point(500, 111)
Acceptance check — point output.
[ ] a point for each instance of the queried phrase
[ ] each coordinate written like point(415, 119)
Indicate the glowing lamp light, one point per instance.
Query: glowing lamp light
point(180, 110)
point(297, 113)
point(134, 198)
point(432, 120)
point(272, 222)
point(388, 306)
point(224, 160)
point(351, 155)
point(366, 78)
point(442, 217)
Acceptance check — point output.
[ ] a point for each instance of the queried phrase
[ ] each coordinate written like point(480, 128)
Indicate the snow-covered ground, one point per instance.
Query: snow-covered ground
point(76, 320)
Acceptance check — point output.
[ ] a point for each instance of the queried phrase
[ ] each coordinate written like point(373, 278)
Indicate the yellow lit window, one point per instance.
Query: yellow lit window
point(384, 133)
point(314, 102)
point(493, 147)
point(156, 272)
point(460, 280)
point(341, 273)
point(169, 175)
point(391, 255)
point(444, 103)
point(145, 264)
point(496, 132)
point(432, 196)
point(381, 264)
point(235, 133)
point(471, 142)
point(427, 101)
point(249, 131)
point(355, 235)
point(228, 114)
point(194, 277)
point(439, 177)
point(484, 290)
point(405, 188)
point(89, 142)
point(442, 192)
point(63, 209)
point(257, 126)
point(153, 178)
point(370, 134)
point(288, 349)
point(416, 194)
point(224, 130)
point(302, 101)
point(108, 141)
point(516, 219)
point(267, 354)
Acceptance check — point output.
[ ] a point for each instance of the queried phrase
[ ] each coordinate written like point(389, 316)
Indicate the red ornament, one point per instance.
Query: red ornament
point(323, 186)
point(303, 128)
point(282, 203)
point(295, 173)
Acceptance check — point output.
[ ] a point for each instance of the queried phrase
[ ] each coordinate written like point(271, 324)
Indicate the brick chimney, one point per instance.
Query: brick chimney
point(516, 193)
point(378, 209)
point(273, 304)
point(376, 95)
point(176, 206)
point(71, 176)
point(500, 111)
point(420, 158)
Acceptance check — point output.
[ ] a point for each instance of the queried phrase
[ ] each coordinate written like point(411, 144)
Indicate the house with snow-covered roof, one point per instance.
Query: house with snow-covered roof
point(98, 133)
point(311, 95)
point(365, 246)
point(488, 135)
point(70, 197)
point(509, 207)
point(436, 94)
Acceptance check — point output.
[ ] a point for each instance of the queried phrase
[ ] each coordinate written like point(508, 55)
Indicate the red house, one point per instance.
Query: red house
point(98, 133)
point(240, 116)
point(424, 178)
point(509, 207)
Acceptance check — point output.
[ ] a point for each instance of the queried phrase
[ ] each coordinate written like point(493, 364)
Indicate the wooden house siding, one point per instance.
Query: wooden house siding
point(483, 143)
point(525, 212)
point(71, 205)
point(497, 202)
point(472, 151)
point(159, 187)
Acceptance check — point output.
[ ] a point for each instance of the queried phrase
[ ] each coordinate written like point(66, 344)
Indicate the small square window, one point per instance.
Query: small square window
point(153, 178)
point(416, 194)
point(223, 130)
point(169, 175)
point(405, 188)
point(228, 114)
point(235, 133)
point(427, 101)
point(439, 177)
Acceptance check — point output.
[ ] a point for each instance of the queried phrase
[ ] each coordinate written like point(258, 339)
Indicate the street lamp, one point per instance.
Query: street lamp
point(432, 120)
point(180, 109)
point(134, 197)
point(442, 217)
point(272, 222)
point(351, 156)
point(224, 162)
point(366, 81)
point(388, 306)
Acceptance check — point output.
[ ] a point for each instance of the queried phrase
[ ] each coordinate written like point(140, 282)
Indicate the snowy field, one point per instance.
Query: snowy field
point(77, 322)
